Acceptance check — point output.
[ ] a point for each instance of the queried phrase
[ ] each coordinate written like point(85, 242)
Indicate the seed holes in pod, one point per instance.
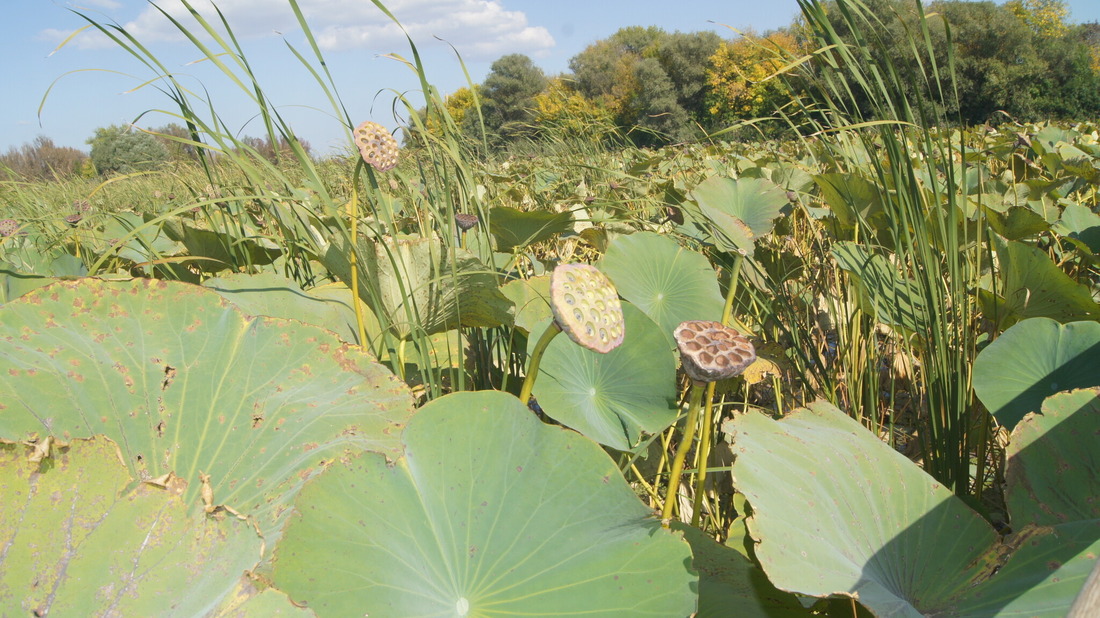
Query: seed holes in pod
point(589, 329)
point(603, 335)
point(569, 300)
point(571, 277)
point(462, 607)
point(578, 315)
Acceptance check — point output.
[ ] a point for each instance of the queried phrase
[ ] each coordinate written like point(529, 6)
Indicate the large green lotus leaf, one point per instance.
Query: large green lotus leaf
point(135, 241)
point(1033, 286)
point(667, 282)
point(836, 511)
point(270, 603)
point(892, 298)
point(731, 585)
point(1016, 222)
point(1046, 569)
point(1033, 360)
point(1082, 226)
point(732, 205)
point(515, 229)
point(240, 243)
point(186, 384)
point(611, 398)
point(532, 300)
point(851, 198)
point(79, 538)
point(489, 513)
point(1053, 479)
point(1053, 463)
point(420, 288)
point(273, 295)
point(15, 284)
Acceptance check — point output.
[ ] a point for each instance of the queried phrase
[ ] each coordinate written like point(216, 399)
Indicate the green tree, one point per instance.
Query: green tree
point(684, 58)
point(657, 107)
point(174, 136)
point(125, 149)
point(649, 79)
point(507, 97)
point(1002, 62)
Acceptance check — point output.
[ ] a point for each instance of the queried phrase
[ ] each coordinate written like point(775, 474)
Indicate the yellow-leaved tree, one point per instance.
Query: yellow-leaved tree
point(742, 76)
point(566, 112)
point(1045, 17)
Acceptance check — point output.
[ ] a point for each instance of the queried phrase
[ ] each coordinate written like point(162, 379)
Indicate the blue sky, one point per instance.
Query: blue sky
point(91, 84)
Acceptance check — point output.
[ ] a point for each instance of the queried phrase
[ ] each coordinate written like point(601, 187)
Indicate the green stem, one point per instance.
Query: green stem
point(697, 389)
point(708, 414)
point(704, 453)
point(735, 271)
point(353, 212)
point(536, 357)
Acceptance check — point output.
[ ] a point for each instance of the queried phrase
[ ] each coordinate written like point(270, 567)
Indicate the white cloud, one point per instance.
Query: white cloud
point(479, 29)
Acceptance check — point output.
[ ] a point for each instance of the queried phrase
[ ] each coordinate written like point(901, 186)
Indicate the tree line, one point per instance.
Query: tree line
point(1018, 61)
point(120, 149)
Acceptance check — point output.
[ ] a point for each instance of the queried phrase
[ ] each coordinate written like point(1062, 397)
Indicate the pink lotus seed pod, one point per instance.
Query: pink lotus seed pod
point(586, 306)
point(711, 351)
point(377, 147)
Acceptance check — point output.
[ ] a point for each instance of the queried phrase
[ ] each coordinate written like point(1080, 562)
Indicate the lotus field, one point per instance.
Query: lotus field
point(852, 371)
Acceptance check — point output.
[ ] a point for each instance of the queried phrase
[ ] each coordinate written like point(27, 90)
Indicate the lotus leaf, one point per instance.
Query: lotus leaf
point(516, 229)
point(830, 499)
point(1033, 286)
point(187, 385)
point(731, 585)
point(327, 306)
point(79, 538)
point(852, 199)
point(739, 211)
point(420, 286)
point(481, 516)
point(611, 398)
point(1033, 360)
point(532, 300)
point(667, 282)
point(1053, 478)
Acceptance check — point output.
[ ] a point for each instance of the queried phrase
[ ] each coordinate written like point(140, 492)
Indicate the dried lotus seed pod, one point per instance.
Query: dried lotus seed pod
point(377, 147)
point(8, 227)
point(712, 351)
point(586, 306)
point(465, 222)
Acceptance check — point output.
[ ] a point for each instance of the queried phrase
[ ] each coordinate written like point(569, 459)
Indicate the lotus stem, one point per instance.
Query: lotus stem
point(586, 308)
point(697, 390)
point(353, 212)
point(536, 357)
point(708, 414)
point(704, 453)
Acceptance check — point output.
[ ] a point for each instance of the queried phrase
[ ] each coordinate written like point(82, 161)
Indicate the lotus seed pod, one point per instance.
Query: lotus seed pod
point(8, 227)
point(465, 222)
point(377, 147)
point(712, 351)
point(586, 306)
